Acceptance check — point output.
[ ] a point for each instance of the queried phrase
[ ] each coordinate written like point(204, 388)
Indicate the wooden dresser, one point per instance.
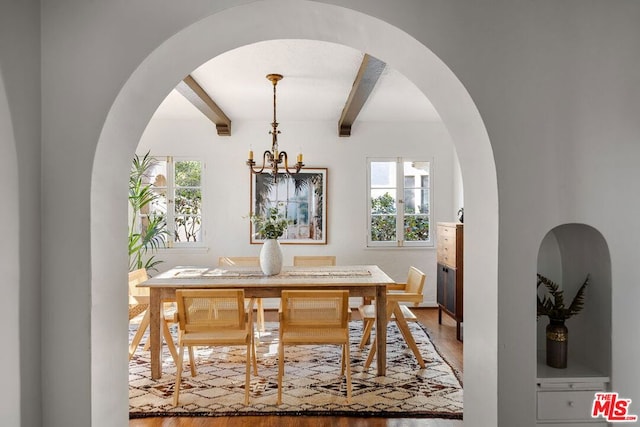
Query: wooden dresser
point(450, 271)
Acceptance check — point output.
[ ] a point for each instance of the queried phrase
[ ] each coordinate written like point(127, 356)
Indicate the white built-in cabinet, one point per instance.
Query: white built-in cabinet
point(565, 396)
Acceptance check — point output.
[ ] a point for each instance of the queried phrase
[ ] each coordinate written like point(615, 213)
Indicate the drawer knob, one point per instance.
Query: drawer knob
point(570, 403)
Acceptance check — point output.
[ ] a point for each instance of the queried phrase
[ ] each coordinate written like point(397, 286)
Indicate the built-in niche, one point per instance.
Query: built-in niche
point(567, 254)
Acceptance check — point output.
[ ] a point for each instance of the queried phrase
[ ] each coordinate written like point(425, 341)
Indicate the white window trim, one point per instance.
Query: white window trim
point(399, 242)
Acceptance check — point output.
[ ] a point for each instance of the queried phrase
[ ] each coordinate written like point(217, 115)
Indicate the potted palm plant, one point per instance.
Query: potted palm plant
point(145, 237)
point(552, 305)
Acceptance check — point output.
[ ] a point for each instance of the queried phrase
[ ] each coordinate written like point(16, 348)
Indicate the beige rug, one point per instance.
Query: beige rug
point(311, 385)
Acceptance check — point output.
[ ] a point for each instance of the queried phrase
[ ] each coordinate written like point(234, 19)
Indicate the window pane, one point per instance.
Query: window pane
point(149, 224)
point(188, 201)
point(188, 173)
point(416, 227)
point(383, 215)
point(409, 194)
point(159, 205)
point(187, 229)
point(158, 173)
point(383, 202)
point(156, 177)
point(383, 174)
point(416, 194)
point(383, 228)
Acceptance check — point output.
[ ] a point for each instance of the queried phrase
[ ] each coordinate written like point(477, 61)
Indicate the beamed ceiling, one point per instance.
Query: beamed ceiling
point(322, 82)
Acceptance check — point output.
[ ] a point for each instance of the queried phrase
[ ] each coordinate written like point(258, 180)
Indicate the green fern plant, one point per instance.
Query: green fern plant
point(552, 304)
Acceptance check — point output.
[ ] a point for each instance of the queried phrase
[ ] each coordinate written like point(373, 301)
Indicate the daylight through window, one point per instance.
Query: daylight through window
point(178, 185)
point(399, 202)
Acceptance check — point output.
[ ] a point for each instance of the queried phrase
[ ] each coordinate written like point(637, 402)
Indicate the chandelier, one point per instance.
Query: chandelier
point(274, 159)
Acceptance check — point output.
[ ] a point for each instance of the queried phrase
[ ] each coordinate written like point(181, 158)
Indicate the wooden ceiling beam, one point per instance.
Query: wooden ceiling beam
point(195, 94)
point(370, 70)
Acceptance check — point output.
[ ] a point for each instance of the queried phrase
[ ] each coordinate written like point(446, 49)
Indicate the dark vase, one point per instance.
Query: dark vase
point(557, 341)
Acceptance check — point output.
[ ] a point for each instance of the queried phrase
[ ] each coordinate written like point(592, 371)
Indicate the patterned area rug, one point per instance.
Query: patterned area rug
point(312, 385)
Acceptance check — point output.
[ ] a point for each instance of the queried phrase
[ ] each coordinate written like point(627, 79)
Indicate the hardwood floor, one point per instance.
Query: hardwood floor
point(444, 338)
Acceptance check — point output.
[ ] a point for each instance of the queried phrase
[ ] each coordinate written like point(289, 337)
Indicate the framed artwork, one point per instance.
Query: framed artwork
point(301, 198)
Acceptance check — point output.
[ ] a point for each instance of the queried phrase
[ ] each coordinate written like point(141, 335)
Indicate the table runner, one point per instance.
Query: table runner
point(220, 273)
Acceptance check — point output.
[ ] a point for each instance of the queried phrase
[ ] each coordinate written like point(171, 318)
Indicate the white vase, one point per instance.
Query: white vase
point(271, 257)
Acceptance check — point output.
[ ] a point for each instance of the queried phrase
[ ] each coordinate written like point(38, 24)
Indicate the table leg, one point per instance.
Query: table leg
point(381, 329)
point(155, 304)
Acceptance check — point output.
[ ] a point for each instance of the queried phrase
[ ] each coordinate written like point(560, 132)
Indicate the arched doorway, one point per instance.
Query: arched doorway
point(236, 27)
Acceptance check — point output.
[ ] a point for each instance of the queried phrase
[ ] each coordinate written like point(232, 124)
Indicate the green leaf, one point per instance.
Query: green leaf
point(552, 303)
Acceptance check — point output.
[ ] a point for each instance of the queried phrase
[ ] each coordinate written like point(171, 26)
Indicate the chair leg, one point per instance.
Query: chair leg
point(347, 359)
point(192, 362)
point(372, 353)
point(169, 339)
point(254, 354)
point(144, 324)
point(176, 390)
point(280, 370)
point(406, 334)
point(247, 381)
point(366, 332)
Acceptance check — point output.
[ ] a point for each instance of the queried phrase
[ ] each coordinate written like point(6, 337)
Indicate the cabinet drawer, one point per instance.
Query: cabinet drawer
point(447, 255)
point(565, 405)
point(447, 245)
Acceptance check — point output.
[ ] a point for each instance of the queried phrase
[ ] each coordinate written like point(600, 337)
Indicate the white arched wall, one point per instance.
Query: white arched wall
point(9, 268)
point(242, 25)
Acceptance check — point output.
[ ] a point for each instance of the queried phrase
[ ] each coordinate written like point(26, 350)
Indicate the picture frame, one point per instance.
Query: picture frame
point(300, 197)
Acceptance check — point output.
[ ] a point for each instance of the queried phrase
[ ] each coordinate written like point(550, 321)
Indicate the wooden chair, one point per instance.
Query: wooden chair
point(311, 318)
point(214, 317)
point(249, 261)
point(409, 292)
point(138, 304)
point(314, 261)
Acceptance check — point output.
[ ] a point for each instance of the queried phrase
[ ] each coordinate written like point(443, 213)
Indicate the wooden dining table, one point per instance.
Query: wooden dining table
point(360, 280)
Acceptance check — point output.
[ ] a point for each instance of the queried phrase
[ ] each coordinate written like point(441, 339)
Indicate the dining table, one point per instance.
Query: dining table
point(367, 281)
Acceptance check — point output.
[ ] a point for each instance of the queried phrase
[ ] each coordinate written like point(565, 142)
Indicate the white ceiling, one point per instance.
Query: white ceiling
point(318, 77)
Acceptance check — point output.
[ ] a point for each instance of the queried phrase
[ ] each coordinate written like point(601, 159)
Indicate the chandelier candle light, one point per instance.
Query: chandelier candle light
point(272, 159)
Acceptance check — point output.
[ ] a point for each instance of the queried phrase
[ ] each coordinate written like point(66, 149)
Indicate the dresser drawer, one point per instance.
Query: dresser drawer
point(447, 252)
point(447, 245)
point(565, 405)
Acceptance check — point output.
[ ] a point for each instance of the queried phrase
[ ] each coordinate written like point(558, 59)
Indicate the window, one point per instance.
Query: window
point(399, 202)
point(178, 184)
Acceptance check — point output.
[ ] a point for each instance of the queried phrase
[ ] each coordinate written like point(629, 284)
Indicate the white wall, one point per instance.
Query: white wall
point(458, 187)
point(555, 83)
point(227, 185)
point(20, 399)
point(9, 268)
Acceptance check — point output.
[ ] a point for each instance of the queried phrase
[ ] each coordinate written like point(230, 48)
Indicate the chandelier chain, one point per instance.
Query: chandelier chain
point(272, 159)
